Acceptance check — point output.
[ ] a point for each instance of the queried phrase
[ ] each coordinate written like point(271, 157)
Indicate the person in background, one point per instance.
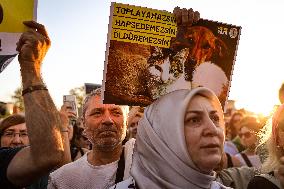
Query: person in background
point(249, 127)
point(13, 131)
point(79, 143)
point(134, 115)
point(233, 123)
point(281, 93)
point(234, 128)
point(109, 160)
point(272, 169)
point(47, 132)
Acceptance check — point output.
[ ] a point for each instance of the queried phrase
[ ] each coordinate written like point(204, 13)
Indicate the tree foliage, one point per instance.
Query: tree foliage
point(18, 99)
point(79, 92)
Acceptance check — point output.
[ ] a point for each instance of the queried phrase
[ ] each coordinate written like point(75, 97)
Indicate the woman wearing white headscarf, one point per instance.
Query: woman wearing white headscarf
point(179, 142)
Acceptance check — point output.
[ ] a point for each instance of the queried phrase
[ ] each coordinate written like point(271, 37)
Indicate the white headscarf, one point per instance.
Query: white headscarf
point(160, 158)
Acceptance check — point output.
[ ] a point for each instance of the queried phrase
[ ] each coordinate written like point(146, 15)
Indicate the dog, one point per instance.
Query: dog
point(188, 63)
point(203, 45)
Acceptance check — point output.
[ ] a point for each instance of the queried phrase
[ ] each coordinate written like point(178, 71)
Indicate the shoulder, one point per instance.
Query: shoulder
point(68, 169)
point(6, 156)
point(237, 177)
point(129, 145)
point(8, 153)
point(65, 175)
point(240, 171)
point(260, 181)
point(236, 162)
point(238, 159)
point(238, 155)
point(128, 152)
point(230, 148)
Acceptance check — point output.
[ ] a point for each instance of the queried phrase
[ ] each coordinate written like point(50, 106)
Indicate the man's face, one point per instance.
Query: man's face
point(104, 124)
point(15, 136)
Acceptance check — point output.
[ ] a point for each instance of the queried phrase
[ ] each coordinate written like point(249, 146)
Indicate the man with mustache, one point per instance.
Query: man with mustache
point(103, 166)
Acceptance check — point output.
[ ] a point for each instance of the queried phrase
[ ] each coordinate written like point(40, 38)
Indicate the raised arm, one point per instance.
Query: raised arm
point(45, 129)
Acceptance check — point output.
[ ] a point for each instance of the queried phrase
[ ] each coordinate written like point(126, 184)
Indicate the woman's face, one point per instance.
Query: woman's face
point(236, 119)
point(204, 133)
point(248, 137)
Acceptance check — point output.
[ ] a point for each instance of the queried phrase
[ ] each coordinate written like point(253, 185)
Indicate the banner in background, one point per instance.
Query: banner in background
point(12, 15)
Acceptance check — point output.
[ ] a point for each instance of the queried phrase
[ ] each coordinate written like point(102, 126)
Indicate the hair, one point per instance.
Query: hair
point(11, 120)
point(281, 93)
point(251, 123)
point(267, 137)
point(98, 92)
point(231, 123)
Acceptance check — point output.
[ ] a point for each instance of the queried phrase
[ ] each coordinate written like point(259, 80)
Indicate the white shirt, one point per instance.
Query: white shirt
point(230, 148)
point(80, 174)
point(254, 159)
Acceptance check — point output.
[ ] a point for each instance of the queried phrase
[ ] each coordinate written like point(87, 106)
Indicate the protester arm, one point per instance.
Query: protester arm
point(46, 149)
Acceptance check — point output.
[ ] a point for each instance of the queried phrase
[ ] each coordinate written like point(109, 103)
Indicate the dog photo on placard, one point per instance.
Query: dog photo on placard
point(188, 63)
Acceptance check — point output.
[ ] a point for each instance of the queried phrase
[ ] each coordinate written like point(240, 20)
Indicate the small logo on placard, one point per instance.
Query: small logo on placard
point(233, 32)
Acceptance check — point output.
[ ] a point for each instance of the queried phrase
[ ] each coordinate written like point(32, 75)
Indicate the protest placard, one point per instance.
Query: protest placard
point(12, 15)
point(148, 56)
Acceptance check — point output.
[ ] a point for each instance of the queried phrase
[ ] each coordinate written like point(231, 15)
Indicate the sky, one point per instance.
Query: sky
point(78, 32)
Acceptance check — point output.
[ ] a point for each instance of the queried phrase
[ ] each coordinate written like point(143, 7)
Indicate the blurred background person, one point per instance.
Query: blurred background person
point(281, 93)
point(134, 115)
point(234, 129)
point(273, 136)
point(79, 143)
point(13, 131)
point(249, 127)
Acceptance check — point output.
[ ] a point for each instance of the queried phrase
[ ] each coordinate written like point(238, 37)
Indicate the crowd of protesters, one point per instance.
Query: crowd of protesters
point(182, 140)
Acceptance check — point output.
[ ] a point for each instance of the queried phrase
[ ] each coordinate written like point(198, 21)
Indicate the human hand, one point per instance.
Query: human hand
point(66, 114)
point(186, 17)
point(33, 46)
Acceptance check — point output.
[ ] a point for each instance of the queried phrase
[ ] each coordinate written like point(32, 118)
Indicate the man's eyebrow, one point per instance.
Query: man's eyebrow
point(115, 108)
point(10, 130)
point(95, 109)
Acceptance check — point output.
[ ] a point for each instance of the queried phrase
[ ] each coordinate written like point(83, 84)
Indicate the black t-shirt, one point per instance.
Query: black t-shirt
point(261, 182)
point(6, 155)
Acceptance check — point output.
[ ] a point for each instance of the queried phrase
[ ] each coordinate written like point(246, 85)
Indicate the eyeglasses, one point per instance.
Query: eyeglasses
point(246, 134)
point(9, 134)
